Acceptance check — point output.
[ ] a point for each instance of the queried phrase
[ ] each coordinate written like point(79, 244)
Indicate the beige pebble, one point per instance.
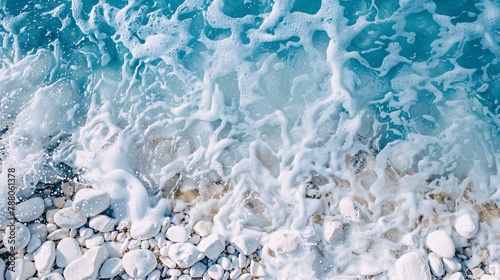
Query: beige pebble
point(47, 192)
point(477, 272)
point(51, 227)
point(68, 189)
point(59, 202)
point(49, 216)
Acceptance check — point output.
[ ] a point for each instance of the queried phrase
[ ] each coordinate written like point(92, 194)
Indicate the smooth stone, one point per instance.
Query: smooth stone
point(348, 209)
point(440, 243)
point(67, 251)
point(87, 266)
point(67, 189)
point(53, 276)
point(178, 234)
point(411, 266)
point(2, 270)
point(174, 272)
point(452, 265)
point(256, 269)
point(248, 276)
point(456, 276)
point(212, 246)
point(69, 218)
point(102, 223)
point(436, 264)
point(245, 244)
point(235, 273)
point(225, 263)
point(86, 233)
point(488, 277)
point(59, 202)
point(58, 234)
point(34, 243)
point(283, 241)
point(21, 235)
point(215, 272)
point(24, 270)
point(203, 228)
point(29, 210)
point(197, 269)
point(230, 249)
point(90, 202)
point(94, 240)
point(139, 263)
point(466, 226)
point(39, 230)
point(494, 269)
point(49, 215)
point(111, 267)
point(144, 229)
point(113, 248)
point(155, 275)
point(185, 254)
point(333, 231)
point(242, 261)
point(45, 257)
point(477, 272)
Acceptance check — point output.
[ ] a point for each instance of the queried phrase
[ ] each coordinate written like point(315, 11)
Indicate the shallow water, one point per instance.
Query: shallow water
point(270, 112)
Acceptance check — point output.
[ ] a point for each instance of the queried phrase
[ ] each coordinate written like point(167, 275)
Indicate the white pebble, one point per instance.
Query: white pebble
point(29, 210)
point(246, 276)
point(197, 270)
point(246, 244)
point(349, 209)
point(90, 202)
point(212, 246)
point(185, 254)
point(235, 273)
point(203, 228)
point(195, 239)
point(111, 268)
point(165, 224)
point(230, 249)
point(174, 272)
point(113, 249)
point(256, 269)
point(436, 264)
point(333, 231)
point(488, 277)
point(144, 244)
point(411, 266)
point(242, 261)
point(34, 243)
point(155, 275)
point(283, 241)
point(144, 229)
point(134, 244)
point(452, 265)
point(87, 266)
point(67, 251)
point(225, 263)
point(121, 237)
point(102, 223)
point(53, 276)
point(440, 243)
point(24, 270)
point(494, 269)
point(178, 234)
point(69, 218)
point(86, 233)
point(168, 262)
point(215, 272)
point(466, 226)
point(139, 263)
point(45, 257)
point(21, 235)
point(94, 241)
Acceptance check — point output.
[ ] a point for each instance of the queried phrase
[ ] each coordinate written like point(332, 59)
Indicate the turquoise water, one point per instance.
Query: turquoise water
point(261, 95)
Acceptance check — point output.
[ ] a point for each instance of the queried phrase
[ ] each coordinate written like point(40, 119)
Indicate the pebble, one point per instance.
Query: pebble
point(333, 231)
point(39, 230)
point(242, 261)
point(185, 254)
point(283, 241)
point(90, 202)
point(34, 243)
point(165, 224)
point(51, 227)
point(203, 228)
point(86, 233)
point(256, 269)
point(111, 268)
point(178, 234)
point(58, 234)
point(168, 262)
point(225, 263)
point(24, 270)
point(452, 265)
point(436, 264)
point(348, 209)
point(139, 263)
point(477, 272)
point(456, 276)
point(53, 276)
point(195, 239)
point(155, 275)
point(215, 272)
point(29, 210)
point(174, 272)
point(197, 270)
point(21, 235)
point(411, 266)
point(49, 215)
point(144, 229)
point(488, 277)
point(230, 249)
point(87, 266)
point(245, 244)
point(94, 240)
point(67, 251)
point(67, 189)
point(440, 243)
point(102, 223)
point(235, 273)
point(45, 257)
point(69, 218)
point(212, 246)
point(59, 202)
point(466, 226)
point(47, 202)
point(248, 276)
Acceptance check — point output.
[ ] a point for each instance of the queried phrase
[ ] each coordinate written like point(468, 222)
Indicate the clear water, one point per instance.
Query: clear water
point(260, 101)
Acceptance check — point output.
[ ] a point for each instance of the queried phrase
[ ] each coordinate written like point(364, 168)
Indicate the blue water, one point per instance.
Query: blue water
point(261, 95)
